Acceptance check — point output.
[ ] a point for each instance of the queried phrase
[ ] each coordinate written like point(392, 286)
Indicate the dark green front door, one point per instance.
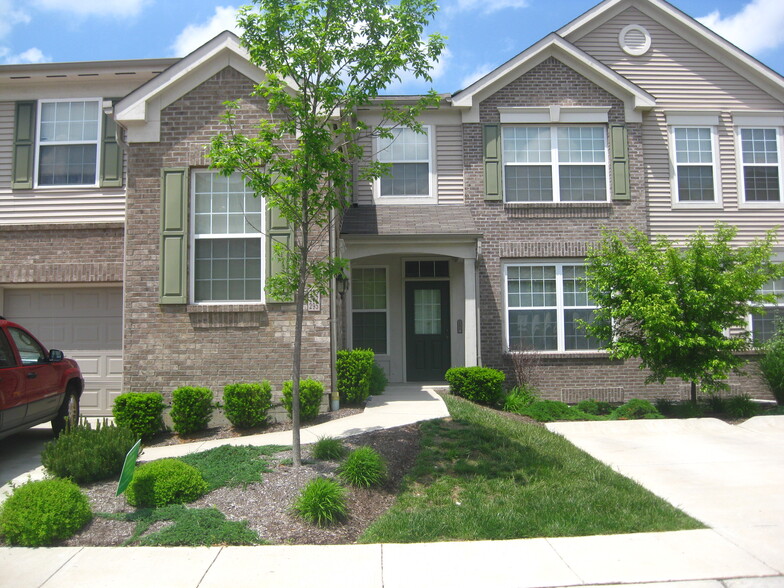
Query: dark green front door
point(427, 331)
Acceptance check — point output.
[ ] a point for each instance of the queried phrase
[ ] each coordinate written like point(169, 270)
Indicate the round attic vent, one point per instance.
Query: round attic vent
point(634, 40)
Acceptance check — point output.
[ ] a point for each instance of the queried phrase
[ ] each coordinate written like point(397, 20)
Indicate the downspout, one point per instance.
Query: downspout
point(333, 318)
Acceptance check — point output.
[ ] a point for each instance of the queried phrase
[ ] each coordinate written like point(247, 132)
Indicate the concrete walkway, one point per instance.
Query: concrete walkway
point(706, 558)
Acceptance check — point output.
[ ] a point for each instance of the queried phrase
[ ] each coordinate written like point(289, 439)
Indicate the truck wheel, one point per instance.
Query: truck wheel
point(68, 415)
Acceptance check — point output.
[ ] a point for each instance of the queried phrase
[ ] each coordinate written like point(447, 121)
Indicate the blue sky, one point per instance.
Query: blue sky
point(482, 33)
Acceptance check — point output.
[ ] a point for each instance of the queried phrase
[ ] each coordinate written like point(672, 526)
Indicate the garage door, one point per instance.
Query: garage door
point(86, 323)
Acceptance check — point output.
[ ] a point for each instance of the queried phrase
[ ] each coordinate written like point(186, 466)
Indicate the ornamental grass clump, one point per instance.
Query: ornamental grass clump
point(43, 512)
point(191, 409)
point(141, 412)
point(363, 467)
point(87, 455)
point(166, 481)
point(322, 501)
point(246, 405)
point(328, 448)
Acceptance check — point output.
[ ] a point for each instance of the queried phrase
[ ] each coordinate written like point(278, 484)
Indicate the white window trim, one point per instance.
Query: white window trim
point(98, 145)
point(715, 165)
point(768, 306)
point(554, 163)
point(192, 249)
point(559, 307)
point(431, 197)
point(387, 312)
point(741, 165)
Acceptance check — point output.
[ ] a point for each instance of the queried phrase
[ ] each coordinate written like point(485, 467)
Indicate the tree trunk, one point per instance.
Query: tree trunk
point(694, 392)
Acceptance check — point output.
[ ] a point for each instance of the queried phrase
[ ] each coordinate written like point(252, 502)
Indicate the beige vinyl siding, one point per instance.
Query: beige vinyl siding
point(680, 75)
point(50, 206)
point(449, 164)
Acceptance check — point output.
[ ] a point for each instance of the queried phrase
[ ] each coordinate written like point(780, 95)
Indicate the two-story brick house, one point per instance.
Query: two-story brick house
point(128, 252)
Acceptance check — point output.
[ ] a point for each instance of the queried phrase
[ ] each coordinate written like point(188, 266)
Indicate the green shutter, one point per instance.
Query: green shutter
point(278, 231)
point(111, 155)
point(24, 146)
point(492, 162)
point(620, 163)
point(174, 236)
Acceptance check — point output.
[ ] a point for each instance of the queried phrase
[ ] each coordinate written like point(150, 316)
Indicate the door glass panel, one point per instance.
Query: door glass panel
point(427, 312)
point(30, 351)
point(6, 355)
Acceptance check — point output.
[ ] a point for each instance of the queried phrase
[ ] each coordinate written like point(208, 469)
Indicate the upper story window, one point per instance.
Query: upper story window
point(555, 164)
point(68, 143)
point(544, 303)
point(696, 179)
point(227, 251)
point(760, 148)
point(409, 154)
point(763, 326)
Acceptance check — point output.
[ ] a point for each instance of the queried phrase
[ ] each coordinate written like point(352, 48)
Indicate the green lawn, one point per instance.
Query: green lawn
point(484, 476)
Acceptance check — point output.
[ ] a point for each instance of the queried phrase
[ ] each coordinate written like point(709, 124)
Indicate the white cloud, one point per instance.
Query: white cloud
point(32, 55)
point(195, 35)
point(755, 28)
point(118, 8)
point(485, 6)
point(407, 78)
point(11, 17)
point(475, 75)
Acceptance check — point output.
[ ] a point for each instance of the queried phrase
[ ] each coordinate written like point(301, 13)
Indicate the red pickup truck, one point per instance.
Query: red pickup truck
point(36, 385)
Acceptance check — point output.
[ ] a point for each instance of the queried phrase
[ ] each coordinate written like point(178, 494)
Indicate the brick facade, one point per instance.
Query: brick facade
point(166, 346)
point(528, 231)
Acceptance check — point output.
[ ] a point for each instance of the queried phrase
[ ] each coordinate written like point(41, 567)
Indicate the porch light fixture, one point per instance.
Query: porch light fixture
point(341, 282)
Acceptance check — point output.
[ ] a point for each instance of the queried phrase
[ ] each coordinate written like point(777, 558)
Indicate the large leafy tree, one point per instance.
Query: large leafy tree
point(679, 309)
point(323, 60)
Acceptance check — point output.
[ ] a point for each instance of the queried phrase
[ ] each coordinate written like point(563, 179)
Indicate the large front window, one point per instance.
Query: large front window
point(227, 240)
point(369, 308)
point(695, 164)
point(545, 303)
point(408, 154)
point(761, 165)
point(68, 134)
point(555, 164)
point(764, 326)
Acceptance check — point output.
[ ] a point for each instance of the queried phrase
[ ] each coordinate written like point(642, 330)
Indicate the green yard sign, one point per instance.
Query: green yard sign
point(129, 467)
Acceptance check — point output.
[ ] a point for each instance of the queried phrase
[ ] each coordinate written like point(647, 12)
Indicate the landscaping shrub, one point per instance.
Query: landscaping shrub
point(477, 384)
point(165, 481)
point(595, 407)
point(772, 365)
point(86, 455)
point(636, 408)
point(519, 398)
point(741, 407)
point(141, 412)
point(354, 370)
point(716, 403)
point(328, 448)
point(665, 406)
point(310, 394)
point(246, 405)
point(191, 409)
point(687, 410)
point(43, 512)
point(363, 467)
point(378, 380)
point(546, 411)
point(322, 501)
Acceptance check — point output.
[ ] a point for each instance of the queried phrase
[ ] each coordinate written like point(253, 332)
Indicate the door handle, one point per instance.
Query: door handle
point(31, 375)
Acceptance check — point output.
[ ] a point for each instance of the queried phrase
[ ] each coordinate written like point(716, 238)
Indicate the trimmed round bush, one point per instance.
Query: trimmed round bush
point(322, 501)
point(477, 384)
point(310, 394)
point(141, 412)
point(354, 373)
point(86, 455)
point(246, 405)
point(595, 407)
point(636, 408)
point(44, 512)
point(191, 409)
point(165, 481)
point(378, 380)
point(328, 448)
point(363, 467)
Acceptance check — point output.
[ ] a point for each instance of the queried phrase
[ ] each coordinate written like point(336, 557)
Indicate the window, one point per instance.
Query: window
point(544, 303)
point(761, 165)
point(695, 164)
point(68, 134)
point(408, 152)
point(555, 164)
point(369, 308)
point(30, 352)
point(763, 327)
point(227, 255)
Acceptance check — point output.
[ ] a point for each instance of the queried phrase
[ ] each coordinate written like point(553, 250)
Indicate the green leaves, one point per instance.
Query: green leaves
point(674, 307)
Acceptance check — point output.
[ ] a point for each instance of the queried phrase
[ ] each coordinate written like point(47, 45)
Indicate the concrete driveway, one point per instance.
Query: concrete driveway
point(21, 453)
point(730, 477)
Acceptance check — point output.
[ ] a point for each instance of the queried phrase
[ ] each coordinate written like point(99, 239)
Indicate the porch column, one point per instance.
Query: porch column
point(470, 330)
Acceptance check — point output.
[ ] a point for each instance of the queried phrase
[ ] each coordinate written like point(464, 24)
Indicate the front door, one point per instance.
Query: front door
point(428, 350)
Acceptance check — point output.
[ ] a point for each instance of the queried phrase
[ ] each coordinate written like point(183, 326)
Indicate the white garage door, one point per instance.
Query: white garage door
point(86, 324)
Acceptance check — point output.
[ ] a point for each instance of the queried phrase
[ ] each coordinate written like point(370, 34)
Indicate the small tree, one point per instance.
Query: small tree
point(323, 59)
point(674, 307)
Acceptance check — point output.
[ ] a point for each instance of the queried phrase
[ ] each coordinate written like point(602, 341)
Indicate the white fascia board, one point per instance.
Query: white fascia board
point(690, 29)
point(762, 118)
point(635, 98)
